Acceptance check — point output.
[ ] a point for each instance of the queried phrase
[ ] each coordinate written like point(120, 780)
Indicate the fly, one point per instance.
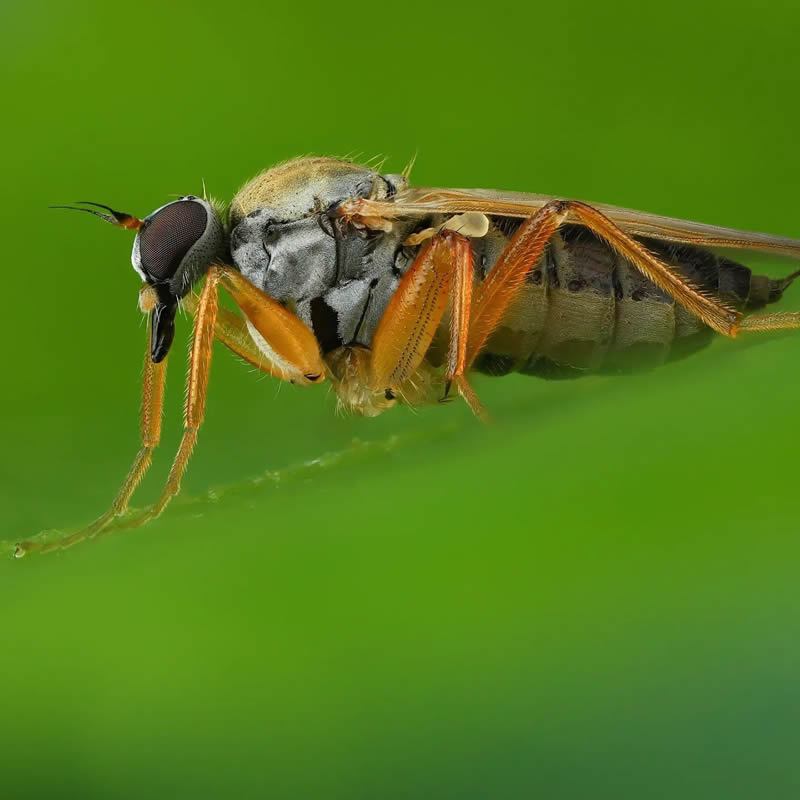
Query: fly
point(396, 294)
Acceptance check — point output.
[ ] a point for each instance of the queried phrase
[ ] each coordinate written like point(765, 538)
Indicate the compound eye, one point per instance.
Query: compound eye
point(168, 236)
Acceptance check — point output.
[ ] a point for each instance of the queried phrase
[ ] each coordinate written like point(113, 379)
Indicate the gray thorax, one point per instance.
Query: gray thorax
point(336, 277)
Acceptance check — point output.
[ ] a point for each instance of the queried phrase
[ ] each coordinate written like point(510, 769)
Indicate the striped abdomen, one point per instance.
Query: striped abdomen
point(586, 309)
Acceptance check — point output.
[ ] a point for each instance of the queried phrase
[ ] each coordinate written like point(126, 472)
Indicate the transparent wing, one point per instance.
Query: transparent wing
point(419, 201)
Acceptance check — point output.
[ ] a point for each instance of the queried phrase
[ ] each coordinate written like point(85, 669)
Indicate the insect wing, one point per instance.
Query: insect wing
point(418, 201)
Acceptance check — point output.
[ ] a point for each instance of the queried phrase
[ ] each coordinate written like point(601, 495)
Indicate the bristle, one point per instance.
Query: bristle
point(406, 173)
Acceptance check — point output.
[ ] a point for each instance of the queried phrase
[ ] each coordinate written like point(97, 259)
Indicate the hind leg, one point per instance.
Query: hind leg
point(772, 322)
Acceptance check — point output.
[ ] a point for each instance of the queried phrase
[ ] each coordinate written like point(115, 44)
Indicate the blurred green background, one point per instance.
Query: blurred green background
point(595, 596)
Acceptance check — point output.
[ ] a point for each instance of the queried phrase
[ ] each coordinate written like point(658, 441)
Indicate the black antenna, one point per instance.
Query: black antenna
point(118, 218)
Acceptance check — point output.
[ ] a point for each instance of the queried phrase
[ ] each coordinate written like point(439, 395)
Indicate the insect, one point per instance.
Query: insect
point(395, 294)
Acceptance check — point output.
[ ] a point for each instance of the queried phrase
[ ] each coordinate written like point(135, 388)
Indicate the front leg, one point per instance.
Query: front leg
point(289, 346)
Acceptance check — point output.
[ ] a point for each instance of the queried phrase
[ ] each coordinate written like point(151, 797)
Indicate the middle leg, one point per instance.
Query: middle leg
point(442, 273)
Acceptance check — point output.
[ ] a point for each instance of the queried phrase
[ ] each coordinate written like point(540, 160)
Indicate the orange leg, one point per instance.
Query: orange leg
point(152, 404)
point(196, 386)
point(286, 342)
point(772, 322)
point(460, 306)
point(524, 252)
point(507, 276)
point(441, 273)
point(231, 330)
point(412, 316)
point(460, 319)
point(294, 355)
point(711, 310)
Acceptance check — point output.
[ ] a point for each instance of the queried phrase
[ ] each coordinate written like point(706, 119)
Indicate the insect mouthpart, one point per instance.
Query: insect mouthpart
point(162, 325)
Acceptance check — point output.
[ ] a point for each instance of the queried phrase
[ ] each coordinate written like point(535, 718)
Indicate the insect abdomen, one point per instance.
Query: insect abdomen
point(586, 310)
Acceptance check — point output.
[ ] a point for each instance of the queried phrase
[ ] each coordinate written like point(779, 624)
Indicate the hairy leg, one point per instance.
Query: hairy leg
point(295, 357)
point(524, 251)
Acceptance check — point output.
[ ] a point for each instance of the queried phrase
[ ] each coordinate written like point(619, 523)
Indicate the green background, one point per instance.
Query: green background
point(595, 596)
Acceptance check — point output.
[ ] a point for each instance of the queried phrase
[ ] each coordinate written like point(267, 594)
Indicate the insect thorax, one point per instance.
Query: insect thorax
point(285, 239)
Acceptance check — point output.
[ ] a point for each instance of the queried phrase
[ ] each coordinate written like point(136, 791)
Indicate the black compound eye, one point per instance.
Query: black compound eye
point(169, 235)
